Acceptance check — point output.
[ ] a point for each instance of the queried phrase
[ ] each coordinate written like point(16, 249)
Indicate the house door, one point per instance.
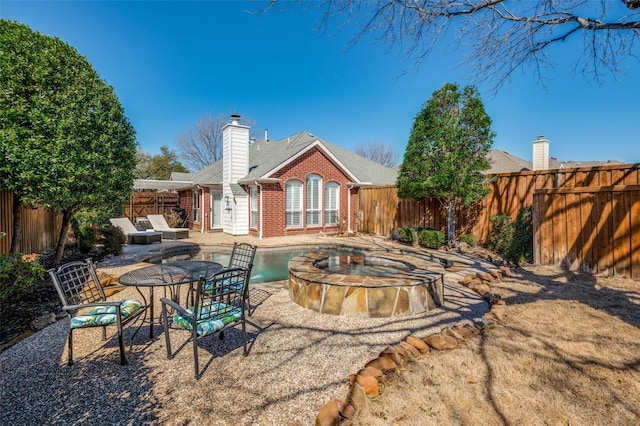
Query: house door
point(216, 210)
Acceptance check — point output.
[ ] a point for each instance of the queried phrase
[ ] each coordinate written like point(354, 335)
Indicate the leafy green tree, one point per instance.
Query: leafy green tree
point(158, 166)
point(447, 151)
point(64, 139)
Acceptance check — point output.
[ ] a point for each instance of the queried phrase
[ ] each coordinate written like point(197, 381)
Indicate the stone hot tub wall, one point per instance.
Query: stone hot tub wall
point(405, 293)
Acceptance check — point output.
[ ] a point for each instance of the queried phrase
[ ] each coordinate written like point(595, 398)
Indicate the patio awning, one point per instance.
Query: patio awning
point(160, 185)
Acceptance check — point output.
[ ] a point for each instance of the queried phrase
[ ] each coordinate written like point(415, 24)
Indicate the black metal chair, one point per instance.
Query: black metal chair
point(219, 304)
point(84, 300)
point(242, 256)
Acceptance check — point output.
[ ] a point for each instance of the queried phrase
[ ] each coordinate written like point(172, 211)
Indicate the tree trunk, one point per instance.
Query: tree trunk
point(62, 240)
point(17, 223)
point(451, 223)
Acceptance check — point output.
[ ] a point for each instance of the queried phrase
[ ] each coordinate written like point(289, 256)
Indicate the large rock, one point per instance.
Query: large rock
point(485, 276)
point(369, 384)
point(506, 271)
point(482, 289)
point(346, 410)
point(382, 363)
point(329, 415)
point(43, 321)
point(393, 354)
point(465, 332)
point(371, 372)
point(440, 342)
point(496, 274)
point(410, 349)
point(358, 398)
point(419, 344)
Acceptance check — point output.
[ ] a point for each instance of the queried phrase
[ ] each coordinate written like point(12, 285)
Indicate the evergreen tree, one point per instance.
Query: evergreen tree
point(447, 151)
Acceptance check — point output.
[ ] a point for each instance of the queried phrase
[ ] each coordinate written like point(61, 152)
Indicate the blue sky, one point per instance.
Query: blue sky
point(171, 62)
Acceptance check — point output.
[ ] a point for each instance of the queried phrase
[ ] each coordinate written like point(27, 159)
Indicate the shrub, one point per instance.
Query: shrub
point(500, 233)
point(408, 234)
point(18, 271)
point(432, 239)
point(521, 247)
point(173, 219)
point(469, 239)
point(112, 239)
point(87, 235)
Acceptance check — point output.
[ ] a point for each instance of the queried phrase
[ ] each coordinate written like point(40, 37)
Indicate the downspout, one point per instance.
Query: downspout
point(260, 209)
point(349, 207)
point(201, 208)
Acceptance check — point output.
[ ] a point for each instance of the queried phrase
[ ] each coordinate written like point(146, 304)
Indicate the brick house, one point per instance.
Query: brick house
point(301, 184)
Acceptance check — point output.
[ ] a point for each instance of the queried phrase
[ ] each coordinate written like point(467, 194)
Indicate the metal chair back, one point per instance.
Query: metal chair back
point(77, 283)
point(84, 300)
point(242, 256)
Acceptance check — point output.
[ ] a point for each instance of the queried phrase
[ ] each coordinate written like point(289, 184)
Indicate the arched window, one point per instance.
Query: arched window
point(293, 204)
point(331, 203)
point(314, 200)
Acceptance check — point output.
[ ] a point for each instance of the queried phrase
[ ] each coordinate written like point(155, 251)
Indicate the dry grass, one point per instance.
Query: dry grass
point(568, 353)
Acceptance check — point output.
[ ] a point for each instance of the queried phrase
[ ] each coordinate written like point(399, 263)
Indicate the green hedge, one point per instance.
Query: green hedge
point(432, 239)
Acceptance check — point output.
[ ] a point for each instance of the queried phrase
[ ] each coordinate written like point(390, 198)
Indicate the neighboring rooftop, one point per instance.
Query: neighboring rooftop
point(504, 162)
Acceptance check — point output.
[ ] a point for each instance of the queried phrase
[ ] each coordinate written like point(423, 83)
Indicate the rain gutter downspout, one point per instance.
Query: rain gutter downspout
point(349, 186)
point(259, 185)
point(200, 189)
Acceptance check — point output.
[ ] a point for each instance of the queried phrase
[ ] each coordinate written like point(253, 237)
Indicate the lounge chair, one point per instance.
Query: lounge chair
point(160, 224)
point(135, 236)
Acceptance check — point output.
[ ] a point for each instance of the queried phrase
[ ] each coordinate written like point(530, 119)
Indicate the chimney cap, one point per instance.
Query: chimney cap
point(235, 118)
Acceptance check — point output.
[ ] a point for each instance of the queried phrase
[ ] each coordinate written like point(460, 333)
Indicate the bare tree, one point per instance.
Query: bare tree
point(201, 145)
point(378, 152)
point(502, 36)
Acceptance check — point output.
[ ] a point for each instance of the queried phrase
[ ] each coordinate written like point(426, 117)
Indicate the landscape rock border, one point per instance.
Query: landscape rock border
point(366, 383)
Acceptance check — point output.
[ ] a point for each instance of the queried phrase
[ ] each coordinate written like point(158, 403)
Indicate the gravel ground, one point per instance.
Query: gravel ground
point(298, 360)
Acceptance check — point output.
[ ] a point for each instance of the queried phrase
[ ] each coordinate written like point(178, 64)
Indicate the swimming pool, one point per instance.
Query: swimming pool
point(271, 264)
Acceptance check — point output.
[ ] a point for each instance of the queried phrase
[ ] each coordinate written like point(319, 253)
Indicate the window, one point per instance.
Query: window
point(331, 203)
point(253, 198)
point(293, 204)
point(196, 205)
point(314, 200)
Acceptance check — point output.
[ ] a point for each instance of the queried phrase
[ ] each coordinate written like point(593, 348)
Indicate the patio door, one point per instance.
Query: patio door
point(216, 210)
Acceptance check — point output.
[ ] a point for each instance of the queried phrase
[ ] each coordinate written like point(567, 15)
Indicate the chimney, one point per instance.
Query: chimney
point(541, 154)
point(235, 150)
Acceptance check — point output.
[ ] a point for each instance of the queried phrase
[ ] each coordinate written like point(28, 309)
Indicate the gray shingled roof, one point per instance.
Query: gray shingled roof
point(266, 156)
point(503, 162)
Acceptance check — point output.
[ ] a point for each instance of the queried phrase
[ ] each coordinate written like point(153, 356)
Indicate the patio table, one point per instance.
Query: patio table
point(170, 276)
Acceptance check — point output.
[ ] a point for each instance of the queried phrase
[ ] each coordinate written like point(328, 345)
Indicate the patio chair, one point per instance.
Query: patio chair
point(135, 236)
point(159, 224)
point(212, 312)
point(83, 299)
point(242, 256)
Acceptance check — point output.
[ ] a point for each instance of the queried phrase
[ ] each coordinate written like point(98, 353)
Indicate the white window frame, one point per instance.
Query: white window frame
point(196, 205)
point(314, 201)
point(332, 204)
point(253, 206)
point(293, 207)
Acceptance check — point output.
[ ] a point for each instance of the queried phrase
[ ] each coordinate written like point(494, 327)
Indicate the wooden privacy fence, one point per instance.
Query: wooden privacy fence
point(381, 211)
point(591, 229)
point(40, 228)
point(144, 203)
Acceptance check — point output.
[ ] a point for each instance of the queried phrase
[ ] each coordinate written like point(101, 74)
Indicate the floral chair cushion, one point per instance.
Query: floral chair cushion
point(208, 286)
point(105, 315)
point(211, 317)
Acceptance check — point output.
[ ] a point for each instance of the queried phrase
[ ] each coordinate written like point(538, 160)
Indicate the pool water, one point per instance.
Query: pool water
point(357, 265)
point(273, 265)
